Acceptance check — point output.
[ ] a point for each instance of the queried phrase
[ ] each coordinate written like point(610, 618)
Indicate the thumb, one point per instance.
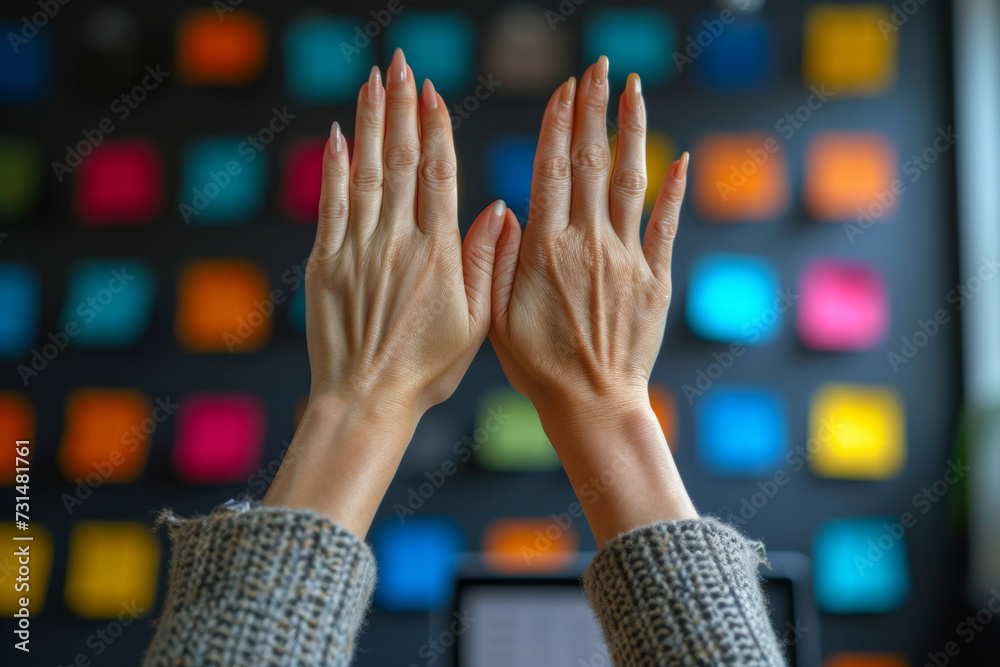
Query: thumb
point(478, 252)
point(505, 269)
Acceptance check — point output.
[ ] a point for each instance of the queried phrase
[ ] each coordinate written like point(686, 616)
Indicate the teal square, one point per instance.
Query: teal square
point(20, 304)
point(326, 60)
point(111, 302)
point(634, 40)
point(861, 566)
point(734, 299)
point(438, 46)
point(223, 181)
point(297, 311)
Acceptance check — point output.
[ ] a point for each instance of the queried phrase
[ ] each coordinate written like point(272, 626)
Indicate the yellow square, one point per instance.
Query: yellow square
point(857, 432)
point(850, 49)
point(13, 584)
point(113, 569)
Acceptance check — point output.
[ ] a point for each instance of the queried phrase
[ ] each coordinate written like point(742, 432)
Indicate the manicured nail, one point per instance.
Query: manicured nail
point(397, 70)
point(497, 215)
point(428, 96)
point(633, 92)
point(601, 71)
point(681, 167)
point(568, 91)
point(336, 138)
point(374, 85)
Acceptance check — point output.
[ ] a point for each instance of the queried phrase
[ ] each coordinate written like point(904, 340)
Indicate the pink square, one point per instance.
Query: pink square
point(844, 306)
point(303, 178)
point(119, 183)
point(220, 437)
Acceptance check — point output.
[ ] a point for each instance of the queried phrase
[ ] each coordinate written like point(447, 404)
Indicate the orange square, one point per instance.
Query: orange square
point(665, 408)
point(106, 437)
point(740, 177)
point(848, 175)
point(532, 545)
point(17, 422)
point(866, 660)
point(213, 52)
point(223, 305)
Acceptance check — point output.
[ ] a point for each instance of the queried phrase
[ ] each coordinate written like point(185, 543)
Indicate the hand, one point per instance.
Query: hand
point(579, 304)
point(396, 308)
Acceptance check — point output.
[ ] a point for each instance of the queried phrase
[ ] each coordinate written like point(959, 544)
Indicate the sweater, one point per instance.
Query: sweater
point(269, 586)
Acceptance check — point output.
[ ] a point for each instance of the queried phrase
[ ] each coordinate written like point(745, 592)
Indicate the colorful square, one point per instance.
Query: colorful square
point(106, 437)
point(220, 437)
point(25, 63)
point(866, 660)
point(19, 303)
point(223, 305)
point(859, 431)
point(417, 561)
point(303, 180)
point(119, 183)
point(521, 50)
point(847, 50)
point(113, 569)
point(109, 303)
point(439, 46)
point(20, 176)
point(324, 63)
point(224, 180)
point(860, 566)
point(664, 406)
point(735, 299)
point(634, 40)
point(42, 551)
point(740, 56)
point(17, 422)
point(741, 432)
point(740, 177)
point(220, 51)
point(548, 544)
point(843, 306)
point(509, 434)
point(850, 176)
point(509, 165)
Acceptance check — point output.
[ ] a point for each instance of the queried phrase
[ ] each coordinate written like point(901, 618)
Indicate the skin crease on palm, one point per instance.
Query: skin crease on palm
point(397, 305)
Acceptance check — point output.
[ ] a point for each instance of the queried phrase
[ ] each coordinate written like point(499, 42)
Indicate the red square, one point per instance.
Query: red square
point(302, 180)
point(220, 437)
point(119, 183)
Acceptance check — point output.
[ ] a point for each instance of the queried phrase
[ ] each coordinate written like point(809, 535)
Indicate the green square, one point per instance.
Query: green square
point(512, 434)
point(20, 176)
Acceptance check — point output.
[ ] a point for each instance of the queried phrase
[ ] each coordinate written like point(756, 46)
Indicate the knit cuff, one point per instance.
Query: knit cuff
point(262, 585)
point(682, 593)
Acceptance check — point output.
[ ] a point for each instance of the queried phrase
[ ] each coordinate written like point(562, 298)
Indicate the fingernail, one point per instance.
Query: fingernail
point(568, 91)
point(374, 85)
point(336, 138)
point(601, 71)
point(681, 167)
point(397, 70)
point(497, 215)
point(633, 92)
point(428, 96)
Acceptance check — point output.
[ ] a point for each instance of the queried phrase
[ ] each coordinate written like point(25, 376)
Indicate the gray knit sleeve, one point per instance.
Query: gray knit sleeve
point(682, 593)
point(262, 586)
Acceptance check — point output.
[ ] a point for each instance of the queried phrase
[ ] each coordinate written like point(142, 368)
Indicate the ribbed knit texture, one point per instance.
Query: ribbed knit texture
point(682, 593)
point(264, 586)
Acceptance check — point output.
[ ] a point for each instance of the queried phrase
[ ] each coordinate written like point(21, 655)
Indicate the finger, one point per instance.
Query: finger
point(402, 144)
point(628, 177)
point(478, 254)
point(662, 228)
point(437, 183)
point(366, 167)
point(590, 156)
point(334, 199)
point(505, 270)
point(550, 180)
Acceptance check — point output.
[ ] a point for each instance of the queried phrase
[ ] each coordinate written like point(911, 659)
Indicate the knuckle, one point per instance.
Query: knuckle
point(596, 103)
point(591, 158)
point(369, 123)
point(555, 169)
point(333, 207)
point(668, 227)
point(402, 158)
point(440, 174)
point(404, 102)
point(367, 178)
point(629, 182)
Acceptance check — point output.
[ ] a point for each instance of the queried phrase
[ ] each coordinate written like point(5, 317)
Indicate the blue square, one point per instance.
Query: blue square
point(861, 566)
point(438, 46)
point(734, 299)
point(634, 40)
point(509, 165)
point(324, 63)
point(110, 301)
point(417, 561)
point(25, 63)
point(224, 181)
point(741, 432)
point(738, 58)
point(297, 311)
point(19, 303)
